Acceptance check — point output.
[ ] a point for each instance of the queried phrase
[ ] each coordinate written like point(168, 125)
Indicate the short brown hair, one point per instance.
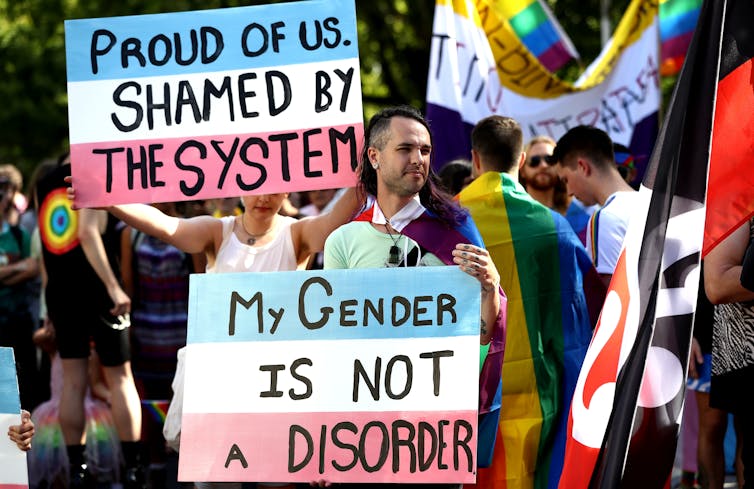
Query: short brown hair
point(499, 141)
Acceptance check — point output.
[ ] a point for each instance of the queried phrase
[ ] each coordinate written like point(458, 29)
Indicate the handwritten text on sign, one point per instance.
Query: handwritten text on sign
point(214, 103)
point(339, 375)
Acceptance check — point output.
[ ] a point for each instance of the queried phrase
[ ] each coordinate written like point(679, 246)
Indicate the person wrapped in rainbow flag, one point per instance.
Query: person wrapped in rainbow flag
point(545, 272)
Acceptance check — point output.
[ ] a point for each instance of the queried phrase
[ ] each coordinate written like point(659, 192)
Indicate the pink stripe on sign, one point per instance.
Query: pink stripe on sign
point(416, 447)
point(13, 486)
point(162, 170)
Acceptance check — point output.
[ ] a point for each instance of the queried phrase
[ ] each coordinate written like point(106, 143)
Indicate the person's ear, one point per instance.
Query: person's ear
point(373, 154)
point(476, 163)
point(584, 166)
point(522, 160)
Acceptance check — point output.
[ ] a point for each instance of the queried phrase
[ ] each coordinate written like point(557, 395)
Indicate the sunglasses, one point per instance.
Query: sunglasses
point(534, 161)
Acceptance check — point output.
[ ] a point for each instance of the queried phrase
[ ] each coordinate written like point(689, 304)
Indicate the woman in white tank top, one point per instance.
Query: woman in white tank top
point(259, 240)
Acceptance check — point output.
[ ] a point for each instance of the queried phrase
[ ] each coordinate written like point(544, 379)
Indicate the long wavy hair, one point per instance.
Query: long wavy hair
point(432, 196)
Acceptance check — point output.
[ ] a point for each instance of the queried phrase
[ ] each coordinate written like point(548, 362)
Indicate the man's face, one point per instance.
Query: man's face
point(403, 164)
point(573, 173)
point(536, 171)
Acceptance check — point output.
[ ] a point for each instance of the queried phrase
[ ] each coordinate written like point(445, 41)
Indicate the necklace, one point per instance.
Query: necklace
point(394, 254)
point(253, 237)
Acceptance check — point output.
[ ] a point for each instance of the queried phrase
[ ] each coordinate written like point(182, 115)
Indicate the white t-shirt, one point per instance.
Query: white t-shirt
point(607, 228)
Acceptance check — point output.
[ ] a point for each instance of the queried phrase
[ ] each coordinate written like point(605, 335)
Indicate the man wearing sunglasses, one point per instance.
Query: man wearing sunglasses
point(539, 176)
point(586, 163)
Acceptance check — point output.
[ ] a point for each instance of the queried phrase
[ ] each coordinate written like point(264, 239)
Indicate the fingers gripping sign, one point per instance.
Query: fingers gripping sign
point(23, 433)
point(477, 262)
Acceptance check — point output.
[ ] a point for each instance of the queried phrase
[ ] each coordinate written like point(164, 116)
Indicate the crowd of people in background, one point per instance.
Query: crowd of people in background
point(95, 302)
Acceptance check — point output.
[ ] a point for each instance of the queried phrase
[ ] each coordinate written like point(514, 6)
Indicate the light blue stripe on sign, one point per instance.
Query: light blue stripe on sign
point(9, 399)
point(329, 24)
point(418, 302)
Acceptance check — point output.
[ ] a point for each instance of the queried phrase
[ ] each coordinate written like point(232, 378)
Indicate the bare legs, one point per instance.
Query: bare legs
point(126, 405)
point(71, 411)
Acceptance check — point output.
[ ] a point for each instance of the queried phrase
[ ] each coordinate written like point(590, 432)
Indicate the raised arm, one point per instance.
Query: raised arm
point(201, 234)
point(309, 234)
point(722, 269)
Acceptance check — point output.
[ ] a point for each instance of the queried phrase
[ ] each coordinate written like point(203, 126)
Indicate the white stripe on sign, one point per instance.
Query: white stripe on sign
point(12, 460)
point(320, 376)
point(261, 100)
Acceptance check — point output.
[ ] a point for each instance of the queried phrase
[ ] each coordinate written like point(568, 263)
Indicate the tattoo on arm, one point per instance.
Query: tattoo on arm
point(484, 327)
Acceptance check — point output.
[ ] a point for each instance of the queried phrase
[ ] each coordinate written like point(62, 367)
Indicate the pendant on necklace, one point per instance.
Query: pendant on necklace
point(251, 241)
point(394, 256)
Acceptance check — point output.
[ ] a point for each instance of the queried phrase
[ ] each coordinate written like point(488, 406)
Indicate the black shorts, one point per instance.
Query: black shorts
point(728, 391)
point(75, 327)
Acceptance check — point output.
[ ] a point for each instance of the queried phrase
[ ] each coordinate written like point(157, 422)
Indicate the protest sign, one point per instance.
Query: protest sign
point(215, 103)
point(341, 375)
point(14, 473)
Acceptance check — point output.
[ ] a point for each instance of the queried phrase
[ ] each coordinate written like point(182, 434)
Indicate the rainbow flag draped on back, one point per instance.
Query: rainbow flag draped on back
point(677, 22)
point(541, 264)
point(540, 32)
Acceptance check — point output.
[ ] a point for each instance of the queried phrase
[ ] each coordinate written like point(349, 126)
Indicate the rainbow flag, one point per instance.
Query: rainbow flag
point(540, 260)
point(540, 32)
point(156, 408)
point(677, 22)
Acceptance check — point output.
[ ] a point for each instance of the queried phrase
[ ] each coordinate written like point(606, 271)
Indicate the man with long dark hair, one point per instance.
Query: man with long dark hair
point(412, 222)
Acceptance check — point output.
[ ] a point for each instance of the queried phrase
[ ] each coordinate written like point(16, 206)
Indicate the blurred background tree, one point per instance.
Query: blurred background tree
point(394, 41)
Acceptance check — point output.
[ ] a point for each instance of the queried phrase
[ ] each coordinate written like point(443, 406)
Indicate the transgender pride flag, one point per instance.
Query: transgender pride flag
point(13, 472)
point(343, 375)
point(540, 31)
point(214, 103)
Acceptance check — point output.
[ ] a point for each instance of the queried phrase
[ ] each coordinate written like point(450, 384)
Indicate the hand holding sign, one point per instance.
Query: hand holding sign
point(23, 433)
point(20, 429)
